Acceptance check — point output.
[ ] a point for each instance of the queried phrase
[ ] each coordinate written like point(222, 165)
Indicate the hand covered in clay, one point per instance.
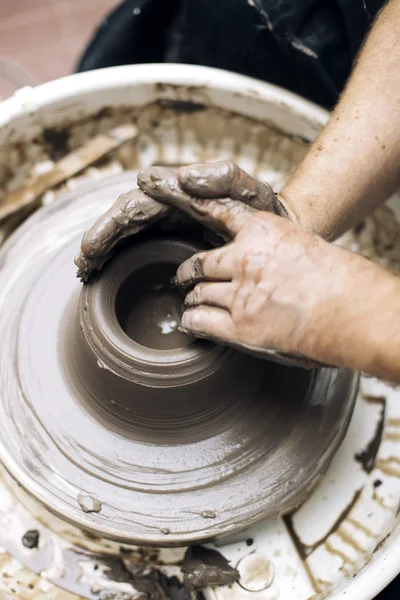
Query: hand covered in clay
point(134, 211)
point(131, 213)
point(274, 288)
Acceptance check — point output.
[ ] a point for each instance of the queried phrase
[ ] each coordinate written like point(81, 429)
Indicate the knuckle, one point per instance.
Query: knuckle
point(231, 169)
point(218, 258)
point(253, 264)
point(241, 301)
point(251, 257)
point(212, 260)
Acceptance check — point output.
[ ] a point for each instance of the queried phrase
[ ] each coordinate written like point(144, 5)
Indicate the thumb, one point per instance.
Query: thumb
point(219, 214)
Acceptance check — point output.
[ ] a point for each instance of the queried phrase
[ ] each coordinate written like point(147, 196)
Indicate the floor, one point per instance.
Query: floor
point(42, 39)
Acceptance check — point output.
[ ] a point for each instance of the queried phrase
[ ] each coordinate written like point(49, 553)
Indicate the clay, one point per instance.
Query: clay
point(154, 585)
point(28, 194)
point(162, 184)
point(181, 106)
point(225, 179)
point(56, 140)
point(204, 567)
point(149, 308)
point(161, 437)
point(304, 550)
point(367, 456)
point(134, 211)
point(89, 503)
point(31, 539)
point(134, 573)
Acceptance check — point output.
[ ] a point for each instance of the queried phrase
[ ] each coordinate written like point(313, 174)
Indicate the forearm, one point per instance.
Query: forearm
point(364, 330)
point(355, 163)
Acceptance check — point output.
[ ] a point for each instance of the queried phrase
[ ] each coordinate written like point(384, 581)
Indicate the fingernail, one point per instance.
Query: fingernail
point(182, 329)
point(77, 260)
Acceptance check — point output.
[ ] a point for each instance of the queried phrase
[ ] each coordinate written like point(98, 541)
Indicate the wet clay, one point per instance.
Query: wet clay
point(136, 210)
point(31, 539)
point(178, 445)
point(89, 503)
point(204, 567)
point(149, 308)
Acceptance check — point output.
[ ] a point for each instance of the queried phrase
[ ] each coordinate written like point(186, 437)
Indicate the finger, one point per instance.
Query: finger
point(218, 294)
point(87, 266)
point(129, 214)
point(222, 215)
point(209, 322)
point(214, 265)
point(225, 179)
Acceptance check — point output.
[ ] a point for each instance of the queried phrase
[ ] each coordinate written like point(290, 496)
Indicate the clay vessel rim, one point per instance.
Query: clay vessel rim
point(118, 352)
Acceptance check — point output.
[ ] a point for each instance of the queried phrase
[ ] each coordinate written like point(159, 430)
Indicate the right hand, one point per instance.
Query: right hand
point(278, 291)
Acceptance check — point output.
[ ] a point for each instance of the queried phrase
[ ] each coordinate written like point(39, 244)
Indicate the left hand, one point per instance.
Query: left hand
point(135, 211)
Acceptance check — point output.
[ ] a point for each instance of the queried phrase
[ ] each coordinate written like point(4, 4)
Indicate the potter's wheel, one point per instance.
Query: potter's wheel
point(140, 455)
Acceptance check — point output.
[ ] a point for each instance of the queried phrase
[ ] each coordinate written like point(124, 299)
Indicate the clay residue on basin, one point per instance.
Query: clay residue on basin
point(158, 122)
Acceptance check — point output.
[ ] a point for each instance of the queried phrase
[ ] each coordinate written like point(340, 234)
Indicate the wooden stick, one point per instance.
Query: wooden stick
point(73, 163)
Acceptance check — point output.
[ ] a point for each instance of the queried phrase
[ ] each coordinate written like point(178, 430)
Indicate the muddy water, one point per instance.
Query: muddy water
point(149, 308)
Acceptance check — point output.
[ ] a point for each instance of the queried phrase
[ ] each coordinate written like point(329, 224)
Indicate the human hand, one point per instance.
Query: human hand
point(131, 213)
point(273, 288)
point(134, 211)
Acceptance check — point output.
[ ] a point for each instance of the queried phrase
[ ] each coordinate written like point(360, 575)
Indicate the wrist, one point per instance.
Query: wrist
point(308, 212)
point(359, 327)
point(284, 208)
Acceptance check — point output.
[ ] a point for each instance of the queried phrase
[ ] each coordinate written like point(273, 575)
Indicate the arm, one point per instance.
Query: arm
point(355, 163)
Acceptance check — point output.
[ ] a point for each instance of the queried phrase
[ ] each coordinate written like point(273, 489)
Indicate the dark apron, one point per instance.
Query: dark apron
point(306, 46)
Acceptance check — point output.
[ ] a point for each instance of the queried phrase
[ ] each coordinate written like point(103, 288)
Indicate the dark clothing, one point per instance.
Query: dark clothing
point(306, 46)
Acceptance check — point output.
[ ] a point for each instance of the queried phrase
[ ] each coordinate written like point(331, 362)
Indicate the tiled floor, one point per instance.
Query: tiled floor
point(45, 37)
